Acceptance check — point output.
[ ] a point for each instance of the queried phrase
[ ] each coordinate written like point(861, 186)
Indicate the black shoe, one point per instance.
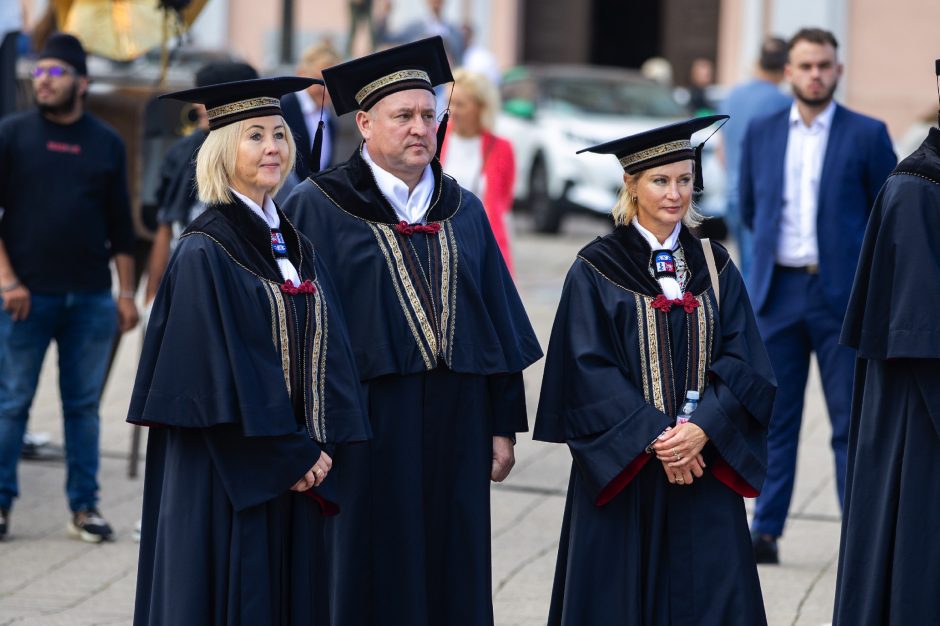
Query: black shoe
point(765, 548)
point(90, 526)
point(4, 523)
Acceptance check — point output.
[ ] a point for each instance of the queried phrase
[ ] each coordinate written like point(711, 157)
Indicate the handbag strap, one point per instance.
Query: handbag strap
point(712, 270)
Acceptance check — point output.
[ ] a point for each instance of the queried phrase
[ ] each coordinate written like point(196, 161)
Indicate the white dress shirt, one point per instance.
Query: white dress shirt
point(670, 285)
point(409, 207)
point(806, 148)
point(311, 111)
point(464, 161)
point(269, 215)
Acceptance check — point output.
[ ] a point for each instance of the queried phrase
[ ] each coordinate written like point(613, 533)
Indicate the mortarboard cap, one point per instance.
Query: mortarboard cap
point(360, 83)
point(659, 146)
point(243, 99)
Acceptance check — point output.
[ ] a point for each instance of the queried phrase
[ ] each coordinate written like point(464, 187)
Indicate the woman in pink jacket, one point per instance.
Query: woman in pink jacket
point(478, 159)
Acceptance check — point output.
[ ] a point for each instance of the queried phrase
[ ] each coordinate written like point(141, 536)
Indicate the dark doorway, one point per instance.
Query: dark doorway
point(625, 34)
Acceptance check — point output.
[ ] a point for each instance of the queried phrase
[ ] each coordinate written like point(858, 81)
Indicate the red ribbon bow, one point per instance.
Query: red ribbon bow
point(408, 230)
point(664, 304)
point(305, 287)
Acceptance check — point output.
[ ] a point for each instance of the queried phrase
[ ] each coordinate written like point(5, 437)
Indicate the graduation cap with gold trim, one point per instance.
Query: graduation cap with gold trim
point(660, 146)
point(359, 84)
point(234, 101)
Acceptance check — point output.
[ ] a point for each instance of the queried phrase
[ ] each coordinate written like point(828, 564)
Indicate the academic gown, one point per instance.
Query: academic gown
point(441, 339)
point(889, 563)
point(634, 549)
point(242, 380)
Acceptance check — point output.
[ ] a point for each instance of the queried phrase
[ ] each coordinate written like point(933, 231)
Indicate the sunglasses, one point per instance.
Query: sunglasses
point(52, 70)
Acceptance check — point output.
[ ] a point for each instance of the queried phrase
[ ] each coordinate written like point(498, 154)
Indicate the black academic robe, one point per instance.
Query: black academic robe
point(634, 549)
point(242, 379)
point(889, 562)
point(441, 339)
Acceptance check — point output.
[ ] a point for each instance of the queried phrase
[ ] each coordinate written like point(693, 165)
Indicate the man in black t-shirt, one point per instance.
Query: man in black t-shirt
point(64, 190)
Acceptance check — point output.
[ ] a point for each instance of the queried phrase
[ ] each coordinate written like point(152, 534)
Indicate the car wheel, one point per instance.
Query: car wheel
point(546, 213)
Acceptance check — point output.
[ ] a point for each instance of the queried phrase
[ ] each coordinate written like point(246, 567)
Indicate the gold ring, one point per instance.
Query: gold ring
point(317, 471)
point(680, 480)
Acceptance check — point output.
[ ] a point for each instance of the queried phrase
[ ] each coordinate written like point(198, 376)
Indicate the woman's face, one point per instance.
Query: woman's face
point(663, 196)
point(465, 113)
point(262, 156)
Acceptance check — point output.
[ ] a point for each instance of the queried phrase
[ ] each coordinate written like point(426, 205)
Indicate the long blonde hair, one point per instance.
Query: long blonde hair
point(215, 163)
point(626, 207)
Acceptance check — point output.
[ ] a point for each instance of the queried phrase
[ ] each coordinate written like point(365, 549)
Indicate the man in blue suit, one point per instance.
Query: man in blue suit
point(809, 177)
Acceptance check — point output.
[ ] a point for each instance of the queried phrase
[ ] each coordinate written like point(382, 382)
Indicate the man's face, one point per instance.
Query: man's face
point(57, 87)
point(400, 132)
point(813, 72)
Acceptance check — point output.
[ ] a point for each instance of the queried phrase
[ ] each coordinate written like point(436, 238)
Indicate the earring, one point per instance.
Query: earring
point(633, 199)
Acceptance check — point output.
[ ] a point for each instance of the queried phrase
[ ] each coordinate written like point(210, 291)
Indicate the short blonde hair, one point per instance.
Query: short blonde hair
point(319, 55)
point(626, 208)
point(215, 162)
point(481, 89)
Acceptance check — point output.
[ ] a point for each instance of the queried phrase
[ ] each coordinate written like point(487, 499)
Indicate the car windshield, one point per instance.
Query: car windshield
point(610, 97)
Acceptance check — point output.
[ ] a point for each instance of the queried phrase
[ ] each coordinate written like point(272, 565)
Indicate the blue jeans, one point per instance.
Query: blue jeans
point(83, 326)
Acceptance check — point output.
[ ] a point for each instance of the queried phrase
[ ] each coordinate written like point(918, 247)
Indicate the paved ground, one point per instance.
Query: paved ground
point(48, 579)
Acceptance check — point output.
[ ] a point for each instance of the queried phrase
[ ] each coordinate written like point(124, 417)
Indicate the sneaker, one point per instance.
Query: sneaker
point(90, 526)
point(4, 523)
point(765, 548)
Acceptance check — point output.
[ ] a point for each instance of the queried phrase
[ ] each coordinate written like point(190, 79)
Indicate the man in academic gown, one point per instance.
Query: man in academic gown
point(889, 561)
point(440, 338)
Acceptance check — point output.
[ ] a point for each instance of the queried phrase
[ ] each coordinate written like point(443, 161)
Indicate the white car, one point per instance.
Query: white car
point(550, 112)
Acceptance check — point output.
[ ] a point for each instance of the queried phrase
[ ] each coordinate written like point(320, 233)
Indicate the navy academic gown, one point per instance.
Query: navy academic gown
point(441, 339)
point(241, 382)
point(889, 561)
point(635, 550)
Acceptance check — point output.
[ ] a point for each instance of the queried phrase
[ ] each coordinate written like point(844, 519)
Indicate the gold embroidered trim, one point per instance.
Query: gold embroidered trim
point(273, 314)
point(703, 317)
point(453, 290)
point(428, 363)
point(446, 304)
point(318, 362)
point(649, 153)
point(641, 334)
point(242, 105)
point(282, 328)
point(395, 77)
point(429, 335)
point(653, 348)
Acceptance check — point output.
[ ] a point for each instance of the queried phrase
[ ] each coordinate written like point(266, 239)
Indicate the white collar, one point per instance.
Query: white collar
point(307, 104)
point(268, 213)
point(821, 121)
point(669, 244)
point(410, 207)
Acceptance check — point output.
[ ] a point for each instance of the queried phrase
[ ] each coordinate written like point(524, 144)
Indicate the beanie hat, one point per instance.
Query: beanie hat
point(67, 48)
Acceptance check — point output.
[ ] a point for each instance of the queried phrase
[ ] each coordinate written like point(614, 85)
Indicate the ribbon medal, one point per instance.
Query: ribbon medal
point(277, 244)
point(664, 265)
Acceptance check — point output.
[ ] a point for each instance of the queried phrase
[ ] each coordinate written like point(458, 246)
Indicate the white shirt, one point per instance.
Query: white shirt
point(464, 161)
point(408, 207)
point(670, 285)
point(806, 148)
point(311, 111)
point(269, 215)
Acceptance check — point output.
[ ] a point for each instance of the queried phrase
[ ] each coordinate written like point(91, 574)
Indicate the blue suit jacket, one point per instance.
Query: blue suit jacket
point(294, 116)
point(858, 159)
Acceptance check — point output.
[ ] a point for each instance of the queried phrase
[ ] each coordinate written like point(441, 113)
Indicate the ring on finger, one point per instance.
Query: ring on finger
point(679, 479)
point(317, 472)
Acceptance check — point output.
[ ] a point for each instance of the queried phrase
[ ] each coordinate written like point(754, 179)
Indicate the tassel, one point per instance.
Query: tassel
point(317, 149)
point(441, 132)
point(699, 183)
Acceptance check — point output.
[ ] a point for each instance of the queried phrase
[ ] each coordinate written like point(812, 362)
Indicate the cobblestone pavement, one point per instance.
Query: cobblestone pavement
point(48, 579)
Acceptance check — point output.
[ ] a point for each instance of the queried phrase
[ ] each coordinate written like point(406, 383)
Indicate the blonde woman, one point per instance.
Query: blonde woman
point(480, 161)
point(246, 374)
point(655, 532)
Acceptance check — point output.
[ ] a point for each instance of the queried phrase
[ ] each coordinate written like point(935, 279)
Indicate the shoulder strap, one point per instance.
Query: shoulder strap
point(712, 270)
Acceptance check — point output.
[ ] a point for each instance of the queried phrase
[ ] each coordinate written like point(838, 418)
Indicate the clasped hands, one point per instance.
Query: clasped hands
point(315, 475)
point(679, 449)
